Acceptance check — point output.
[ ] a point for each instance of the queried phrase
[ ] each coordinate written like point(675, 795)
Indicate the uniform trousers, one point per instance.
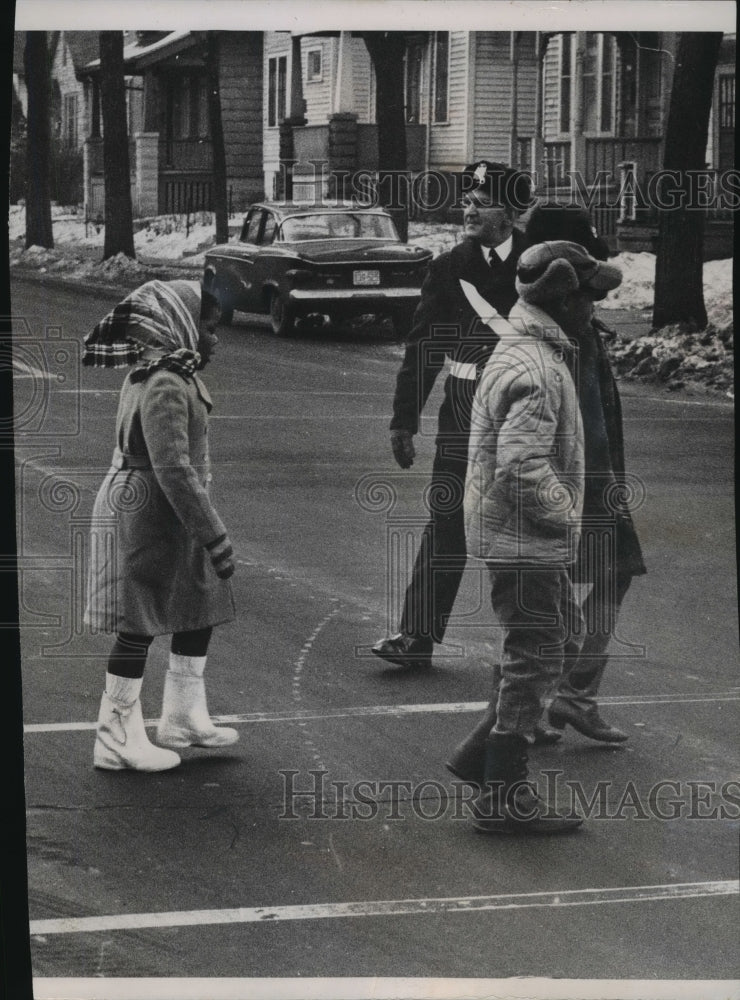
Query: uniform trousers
point(440, 561)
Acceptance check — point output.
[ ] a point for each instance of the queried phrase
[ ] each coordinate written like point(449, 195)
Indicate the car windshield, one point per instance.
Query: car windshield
point(338, 225)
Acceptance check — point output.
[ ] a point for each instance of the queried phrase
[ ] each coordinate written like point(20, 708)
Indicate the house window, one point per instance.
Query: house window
point(414, 64)
point(313, 66)
point(69, 121)
point(566, 72)
point(441, 74)
point(277, 75)
point(188, 98)
point(598, 82)
point(727, 102)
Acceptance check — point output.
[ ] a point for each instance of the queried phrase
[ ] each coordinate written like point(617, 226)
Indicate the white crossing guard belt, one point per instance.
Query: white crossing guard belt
point(487, 312)
point(462, 369)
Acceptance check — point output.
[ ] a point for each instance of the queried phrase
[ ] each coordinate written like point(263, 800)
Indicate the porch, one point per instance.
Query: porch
point(343, 145)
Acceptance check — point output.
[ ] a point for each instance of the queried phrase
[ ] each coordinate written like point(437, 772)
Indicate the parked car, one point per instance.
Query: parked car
point(292, 261)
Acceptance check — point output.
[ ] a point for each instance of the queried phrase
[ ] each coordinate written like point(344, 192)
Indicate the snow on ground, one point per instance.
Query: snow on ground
point(670, 356)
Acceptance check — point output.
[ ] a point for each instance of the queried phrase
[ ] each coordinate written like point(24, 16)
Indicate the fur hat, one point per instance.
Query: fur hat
point(549, 271)
point(553, 221)
point(503, 185)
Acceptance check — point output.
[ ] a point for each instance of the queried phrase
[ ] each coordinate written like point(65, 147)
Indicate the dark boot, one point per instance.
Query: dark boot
point(405, 651)
point(467, 761)
point(508, 802)
point(585, 719)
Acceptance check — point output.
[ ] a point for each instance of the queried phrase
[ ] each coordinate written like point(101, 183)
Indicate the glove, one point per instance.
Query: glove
point(402, 443)
point(222, 556)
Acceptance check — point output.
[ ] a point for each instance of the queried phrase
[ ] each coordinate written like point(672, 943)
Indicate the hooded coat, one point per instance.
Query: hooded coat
point(525, 481)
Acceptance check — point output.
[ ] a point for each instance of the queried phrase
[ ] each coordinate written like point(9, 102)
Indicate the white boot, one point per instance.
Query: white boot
point(185, 721)
point(121, 740)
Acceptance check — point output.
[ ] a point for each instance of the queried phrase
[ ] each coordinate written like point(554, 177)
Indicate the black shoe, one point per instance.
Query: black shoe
point(519, 811)
point(405, 651)
point(468, 760)
point(508, 802)
point(588, 722)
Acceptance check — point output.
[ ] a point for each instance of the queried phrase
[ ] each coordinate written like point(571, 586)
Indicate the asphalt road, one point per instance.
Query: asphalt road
point(210, 870)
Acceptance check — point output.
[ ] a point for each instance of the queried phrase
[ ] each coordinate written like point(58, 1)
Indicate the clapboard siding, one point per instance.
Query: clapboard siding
point(551, 103)
point(364, 82)
point(448, 143)
point(241, 113)
point(63, 74)
point(527, 82)
point(492, 97)
point(318, 94)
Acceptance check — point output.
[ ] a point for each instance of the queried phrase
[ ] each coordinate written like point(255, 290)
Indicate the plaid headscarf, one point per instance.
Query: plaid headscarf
point(160, 315)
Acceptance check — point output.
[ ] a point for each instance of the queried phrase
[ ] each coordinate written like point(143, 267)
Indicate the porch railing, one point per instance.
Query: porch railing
point(180, 193)
point(603, 156)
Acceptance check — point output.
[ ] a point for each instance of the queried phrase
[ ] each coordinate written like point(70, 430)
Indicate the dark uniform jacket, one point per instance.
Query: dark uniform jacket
point(446, 325)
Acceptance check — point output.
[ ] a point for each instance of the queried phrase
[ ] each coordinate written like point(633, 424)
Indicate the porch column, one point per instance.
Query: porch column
point(95, 115)
point(514, 108)
point(577, 142)
point(539, 170)
point(92, 178)
point(295, 119)
point(151, 103)
point(343, 123)
point(344, 83)
point(147, 174)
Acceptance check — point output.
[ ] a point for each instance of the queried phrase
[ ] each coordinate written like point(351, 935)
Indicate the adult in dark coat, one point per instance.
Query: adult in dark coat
point(161, 557)
point(610, 553)
point(464, 292)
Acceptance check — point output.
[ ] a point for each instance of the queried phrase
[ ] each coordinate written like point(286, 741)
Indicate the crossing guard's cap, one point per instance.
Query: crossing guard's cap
point(503, 185)
point(553, 221)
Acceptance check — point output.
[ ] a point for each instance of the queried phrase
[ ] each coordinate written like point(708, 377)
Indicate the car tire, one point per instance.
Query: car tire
point(282, 315)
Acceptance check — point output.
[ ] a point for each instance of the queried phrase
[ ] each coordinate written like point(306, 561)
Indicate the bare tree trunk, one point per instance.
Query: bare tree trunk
point(38, 185)
point(220, 197)
point(119, 224)
point(387, 50)
point(679, 292)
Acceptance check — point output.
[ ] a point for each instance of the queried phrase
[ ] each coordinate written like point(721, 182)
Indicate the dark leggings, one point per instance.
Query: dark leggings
point(128, 656)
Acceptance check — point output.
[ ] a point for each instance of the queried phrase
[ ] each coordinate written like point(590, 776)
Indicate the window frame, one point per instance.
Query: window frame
point(70, 120)
point(436, 118)
point(316, 50)
point(415, 49)
point(274, 116)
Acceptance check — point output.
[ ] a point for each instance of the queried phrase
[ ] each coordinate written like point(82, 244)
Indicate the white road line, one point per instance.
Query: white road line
point(438, 708)
point(386, 907)
point(25, 370)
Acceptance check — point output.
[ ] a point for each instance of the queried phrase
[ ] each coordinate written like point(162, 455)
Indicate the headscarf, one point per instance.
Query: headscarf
point(159, 315)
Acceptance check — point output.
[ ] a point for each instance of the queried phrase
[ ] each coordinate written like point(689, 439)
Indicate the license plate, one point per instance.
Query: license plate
point(366, 277)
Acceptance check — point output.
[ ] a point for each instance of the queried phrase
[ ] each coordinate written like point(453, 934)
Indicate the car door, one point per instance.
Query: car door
point(268, 262)
point(243, 268)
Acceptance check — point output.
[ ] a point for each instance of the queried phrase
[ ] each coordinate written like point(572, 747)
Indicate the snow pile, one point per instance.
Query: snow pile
point(675, 358)
point(170, 237)
point(436, 237)
point(636, 290)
